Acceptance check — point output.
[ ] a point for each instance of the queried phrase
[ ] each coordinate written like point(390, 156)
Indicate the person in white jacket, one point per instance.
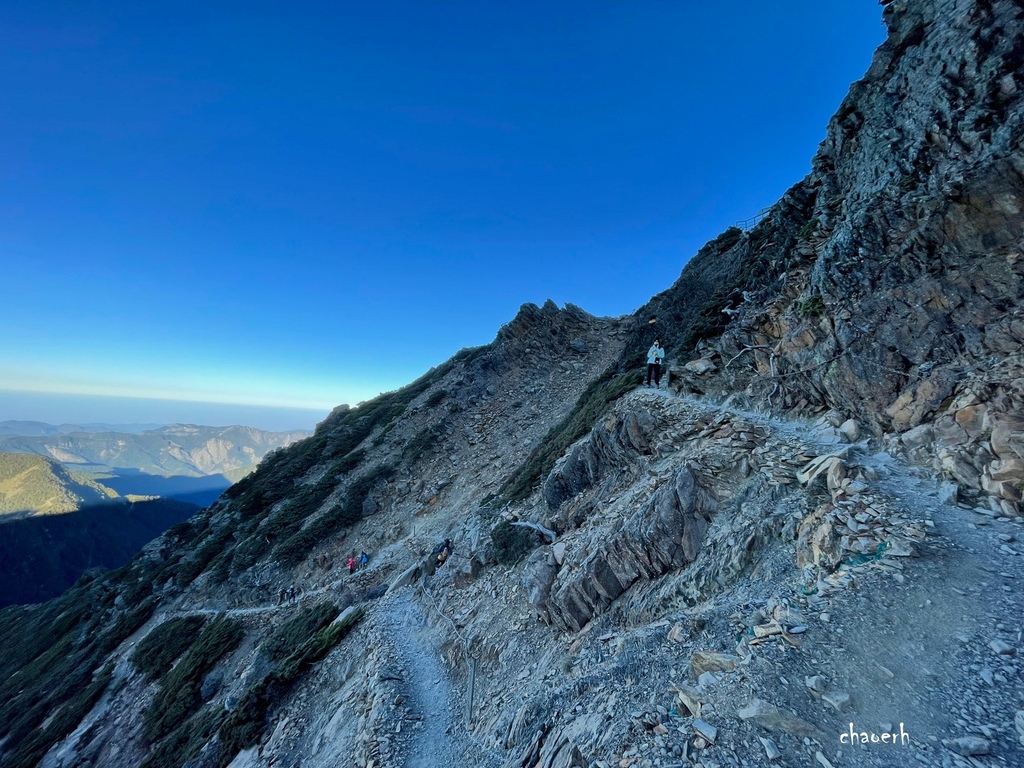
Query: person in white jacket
point(654, 357)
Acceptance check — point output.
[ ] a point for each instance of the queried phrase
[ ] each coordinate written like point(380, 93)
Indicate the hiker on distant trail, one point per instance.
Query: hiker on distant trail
point(351, 564)
point(444, 552)
point(291, 593)
point(280, 597)
point(654, 357)
point(363, 560)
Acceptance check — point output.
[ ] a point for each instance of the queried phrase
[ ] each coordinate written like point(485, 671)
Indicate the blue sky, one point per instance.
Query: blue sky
point(298, 205)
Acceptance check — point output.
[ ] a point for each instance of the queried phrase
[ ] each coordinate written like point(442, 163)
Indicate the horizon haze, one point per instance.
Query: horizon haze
point(57, 409)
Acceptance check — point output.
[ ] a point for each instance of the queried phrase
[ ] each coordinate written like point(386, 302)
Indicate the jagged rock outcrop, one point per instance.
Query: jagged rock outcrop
point(666, 533)
point(560, 336)
point(896, 275)
point(607, 448)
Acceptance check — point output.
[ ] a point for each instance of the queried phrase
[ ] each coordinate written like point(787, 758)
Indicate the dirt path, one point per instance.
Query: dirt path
point(431, 703)
point(927, 644)
point(932, 643)
point(935, 646)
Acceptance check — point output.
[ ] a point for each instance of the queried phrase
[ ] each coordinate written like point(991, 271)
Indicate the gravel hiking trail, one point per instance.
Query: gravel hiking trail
point(434, 705)
point(933, 646)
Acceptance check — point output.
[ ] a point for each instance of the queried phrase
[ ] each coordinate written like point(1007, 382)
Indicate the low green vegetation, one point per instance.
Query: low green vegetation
point(179, 696)
point(159, 649)
point(275, 477)
point(247, 722)
point(808, 229)
point(812, 306)
point(347, 463)
point(214, 543)
point(436, 398)
point(907, 181)
point(52, 669)
point(257, 538)
point(292, 634)
point(342, 515)
point(187, 741)
point(761, 234)
point(511, 542)
point(67, 716)
point(421, 443)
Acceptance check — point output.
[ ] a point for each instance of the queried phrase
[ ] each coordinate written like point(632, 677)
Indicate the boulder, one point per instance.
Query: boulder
point(699, 366)
point(689, 700)
point(1007, 436)
point(558, 552)
point(918, 442)
point(768, 716)
point(969, 745)
point(957, 464)
point(538, 575)
point(850, 430)
point(710, 661)
point(817, 466)
point(917, 402)
point(972, 419)
point(949, 493)
point(408, 576)
point(370, 506)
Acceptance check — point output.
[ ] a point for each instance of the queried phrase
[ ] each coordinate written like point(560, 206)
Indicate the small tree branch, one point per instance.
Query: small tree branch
point(771, 356)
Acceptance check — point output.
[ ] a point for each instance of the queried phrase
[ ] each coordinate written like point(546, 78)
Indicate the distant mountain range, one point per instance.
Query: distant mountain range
point(183, 461)
point(178, 449)
point(35, 428)
point(74, 497)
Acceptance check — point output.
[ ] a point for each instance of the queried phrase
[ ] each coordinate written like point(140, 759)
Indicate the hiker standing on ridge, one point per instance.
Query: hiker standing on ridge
point(351, 564)
point(363, 560)
point(654, 357)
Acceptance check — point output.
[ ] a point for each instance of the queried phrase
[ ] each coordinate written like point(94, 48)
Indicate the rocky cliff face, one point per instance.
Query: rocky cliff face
point(812, 531)
point(896, 265)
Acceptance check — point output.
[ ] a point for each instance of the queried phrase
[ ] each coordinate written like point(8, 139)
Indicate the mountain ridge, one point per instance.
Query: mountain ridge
point(41, 556)
point(38, 428)
point(31, 484)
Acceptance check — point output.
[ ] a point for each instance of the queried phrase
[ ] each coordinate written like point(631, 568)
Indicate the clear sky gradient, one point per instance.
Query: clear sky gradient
point(304, 204)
